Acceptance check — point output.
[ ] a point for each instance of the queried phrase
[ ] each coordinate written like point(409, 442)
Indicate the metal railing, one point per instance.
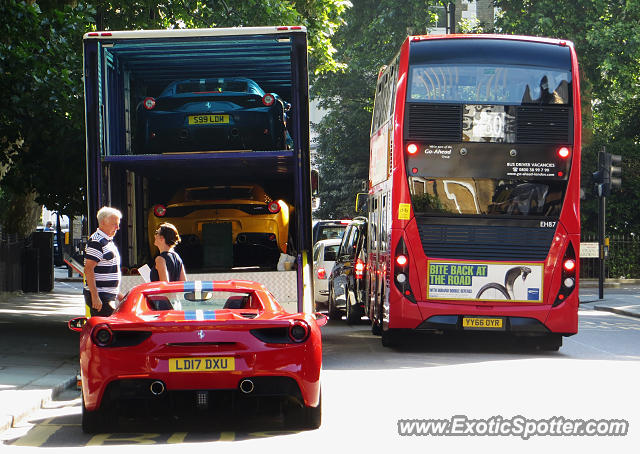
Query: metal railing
point(623, 261)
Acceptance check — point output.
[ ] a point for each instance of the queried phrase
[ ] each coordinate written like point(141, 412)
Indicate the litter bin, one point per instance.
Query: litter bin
point(43, 243)
point(30, 270)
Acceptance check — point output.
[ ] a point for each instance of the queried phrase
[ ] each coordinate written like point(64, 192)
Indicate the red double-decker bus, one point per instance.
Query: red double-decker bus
point(474, 199)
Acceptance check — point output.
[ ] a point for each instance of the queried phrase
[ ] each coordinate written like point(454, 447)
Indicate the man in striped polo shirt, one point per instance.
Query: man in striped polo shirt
point(102, 264)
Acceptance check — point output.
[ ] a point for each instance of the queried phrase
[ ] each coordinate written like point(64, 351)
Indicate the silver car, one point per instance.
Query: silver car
point(324, 257)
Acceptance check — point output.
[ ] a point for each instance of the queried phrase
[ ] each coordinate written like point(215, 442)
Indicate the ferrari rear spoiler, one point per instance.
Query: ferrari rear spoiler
point(224, 325)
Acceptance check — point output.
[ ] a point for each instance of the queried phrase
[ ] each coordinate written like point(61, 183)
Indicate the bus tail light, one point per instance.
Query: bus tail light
point(569, 264)
point(564, 152)
point(569, 271)
point(359, 269)
point(401, 271)
point(412, 148)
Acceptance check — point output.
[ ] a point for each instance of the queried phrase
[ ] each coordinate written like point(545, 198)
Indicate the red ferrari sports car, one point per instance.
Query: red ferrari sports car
point(187, 346)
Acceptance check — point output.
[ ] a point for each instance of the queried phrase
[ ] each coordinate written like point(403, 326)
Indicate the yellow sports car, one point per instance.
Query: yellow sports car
point(225, 226)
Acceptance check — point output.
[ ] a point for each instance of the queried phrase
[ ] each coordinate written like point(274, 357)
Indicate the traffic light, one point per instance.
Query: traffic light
point(609, 173)
point(613, 162)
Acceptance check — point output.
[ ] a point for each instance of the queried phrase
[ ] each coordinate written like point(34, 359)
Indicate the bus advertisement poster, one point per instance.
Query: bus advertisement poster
point(516, 282)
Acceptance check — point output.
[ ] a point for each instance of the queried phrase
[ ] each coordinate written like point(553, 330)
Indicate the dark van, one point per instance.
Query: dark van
point(348, 280)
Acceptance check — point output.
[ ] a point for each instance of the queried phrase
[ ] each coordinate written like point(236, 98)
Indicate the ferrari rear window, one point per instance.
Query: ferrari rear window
point(221, 193)
point(201, 301)
point(212, 85)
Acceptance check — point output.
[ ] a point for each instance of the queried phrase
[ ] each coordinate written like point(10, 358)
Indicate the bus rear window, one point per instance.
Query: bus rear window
point(486, 197)
point(480, 84)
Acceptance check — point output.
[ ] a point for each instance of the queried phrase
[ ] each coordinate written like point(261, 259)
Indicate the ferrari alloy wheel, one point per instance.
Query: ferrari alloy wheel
point(304, 418)
point(91, 420)
point(313, 415)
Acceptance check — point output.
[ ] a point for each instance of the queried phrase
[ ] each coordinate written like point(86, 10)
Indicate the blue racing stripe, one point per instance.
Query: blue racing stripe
point(209, 315)
point(190, 286)
point(190, 315)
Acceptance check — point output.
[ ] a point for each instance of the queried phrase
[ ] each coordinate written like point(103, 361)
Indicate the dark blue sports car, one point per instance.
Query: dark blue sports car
point(230, 113)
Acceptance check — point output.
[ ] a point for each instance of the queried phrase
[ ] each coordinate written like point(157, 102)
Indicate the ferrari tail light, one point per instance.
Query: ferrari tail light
point(569, 270)
point(149, 103)
point(102, 335)
point(299, 331)
point(159, 210)
point(359, 269)
point(268, 99)
point(322, 273)
point(273, 207)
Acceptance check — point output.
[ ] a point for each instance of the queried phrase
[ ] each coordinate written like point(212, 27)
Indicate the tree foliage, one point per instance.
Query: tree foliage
point(42, 149)
point(372, 35)
point(41, 133)
point(321, 17)
point(607, 38)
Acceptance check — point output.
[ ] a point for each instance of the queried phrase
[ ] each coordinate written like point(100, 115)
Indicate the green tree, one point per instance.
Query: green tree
point(42, 152)
point(321, 17)
point(607, 39)
point(41, 139)
point(372, 35)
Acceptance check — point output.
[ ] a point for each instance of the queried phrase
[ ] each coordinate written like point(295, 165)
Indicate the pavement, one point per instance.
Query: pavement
point(615, 301)
point(39, 354)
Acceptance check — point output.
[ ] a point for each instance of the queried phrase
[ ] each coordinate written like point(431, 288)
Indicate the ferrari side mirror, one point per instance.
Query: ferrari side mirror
point(76, 324)
point(321, 319)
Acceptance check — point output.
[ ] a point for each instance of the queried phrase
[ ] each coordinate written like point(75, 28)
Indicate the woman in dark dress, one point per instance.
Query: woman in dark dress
point(169, 266)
